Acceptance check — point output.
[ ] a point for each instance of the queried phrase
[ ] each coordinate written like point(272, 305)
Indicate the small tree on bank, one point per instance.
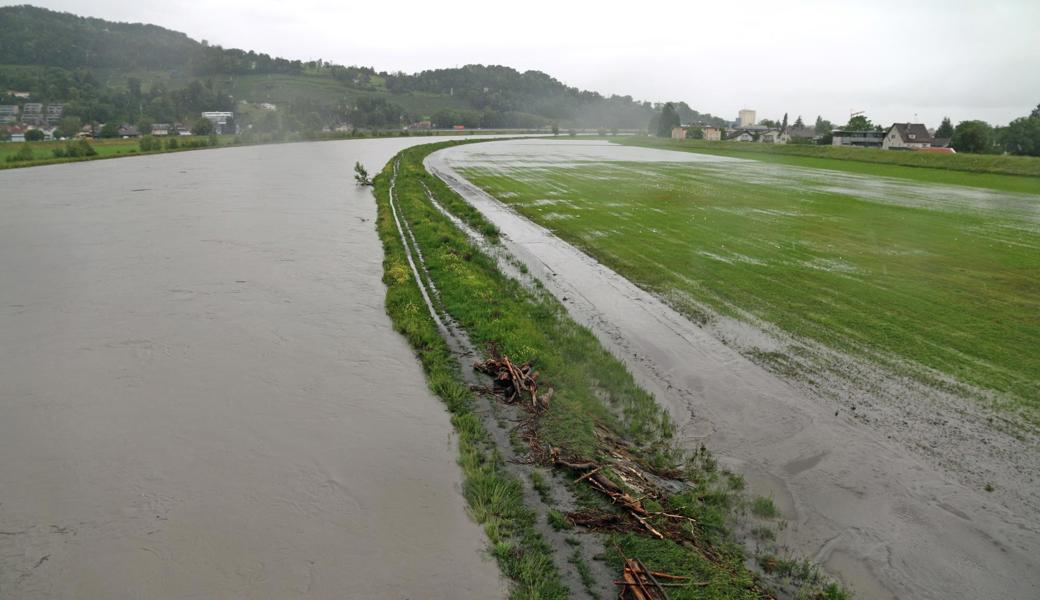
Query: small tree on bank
point(667, 120)
point(859, 123)
point(973, 136)
point(203, 127)
point(110, 130)
point(945, 130)
point(361, 174)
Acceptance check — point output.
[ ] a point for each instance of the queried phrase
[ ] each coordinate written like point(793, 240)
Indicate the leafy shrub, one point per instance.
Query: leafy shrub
point(25, 153)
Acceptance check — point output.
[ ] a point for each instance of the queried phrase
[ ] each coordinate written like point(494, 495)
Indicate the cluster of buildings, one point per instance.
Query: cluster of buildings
point(17, 120)
point(31, 113)
point(745, 129)
point(900, 136)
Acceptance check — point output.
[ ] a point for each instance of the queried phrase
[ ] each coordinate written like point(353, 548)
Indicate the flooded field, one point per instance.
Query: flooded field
point(890, 497)
point(201, 395)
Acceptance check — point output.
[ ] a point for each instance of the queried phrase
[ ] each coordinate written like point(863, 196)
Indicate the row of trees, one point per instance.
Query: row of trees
point(1020, 137)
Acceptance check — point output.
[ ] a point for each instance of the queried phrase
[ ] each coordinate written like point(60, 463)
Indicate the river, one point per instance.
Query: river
point(201, 395)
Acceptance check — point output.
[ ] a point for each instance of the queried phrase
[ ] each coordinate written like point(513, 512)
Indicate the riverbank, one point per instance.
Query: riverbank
point(595, 415)
point(891, 518)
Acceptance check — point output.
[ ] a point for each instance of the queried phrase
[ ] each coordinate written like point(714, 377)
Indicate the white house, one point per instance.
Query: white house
point(773, 136)
point(741, 135)
point(907, 135)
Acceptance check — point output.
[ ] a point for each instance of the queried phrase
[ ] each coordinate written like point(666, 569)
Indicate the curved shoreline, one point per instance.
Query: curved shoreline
point(885, 521)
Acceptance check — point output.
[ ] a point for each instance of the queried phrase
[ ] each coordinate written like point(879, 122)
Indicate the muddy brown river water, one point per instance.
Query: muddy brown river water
point(201, 395)
point(882, 517)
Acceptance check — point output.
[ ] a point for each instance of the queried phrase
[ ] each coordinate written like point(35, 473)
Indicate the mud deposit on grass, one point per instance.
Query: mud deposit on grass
point(201, 395)
point(876, 510)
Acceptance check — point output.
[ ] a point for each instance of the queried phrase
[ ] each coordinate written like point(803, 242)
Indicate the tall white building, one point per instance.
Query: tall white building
point(747, 117)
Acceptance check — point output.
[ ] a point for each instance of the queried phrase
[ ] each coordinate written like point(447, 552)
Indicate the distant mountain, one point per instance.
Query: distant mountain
point(136, 72)
point(36, 36)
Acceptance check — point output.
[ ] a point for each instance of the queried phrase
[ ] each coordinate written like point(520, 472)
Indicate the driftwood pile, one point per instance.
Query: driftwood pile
point(635, 479)
point(621, 477)
point(518, 384)
point(515, 383)
point(640, 583)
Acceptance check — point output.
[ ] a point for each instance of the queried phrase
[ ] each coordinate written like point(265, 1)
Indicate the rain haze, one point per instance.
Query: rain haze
point(895, 60)
point(318, 300)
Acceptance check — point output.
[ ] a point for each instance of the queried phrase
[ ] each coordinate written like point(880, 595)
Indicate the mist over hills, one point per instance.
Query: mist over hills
point(132, 72)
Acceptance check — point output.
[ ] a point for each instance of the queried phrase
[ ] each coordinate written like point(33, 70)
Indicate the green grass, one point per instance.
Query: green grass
point(1008, 173)
point(558, 520)
point(542, 487)
point(911, 275)
point(764, 507)
point(495, 498)
point(43, 152)
point(593, 389)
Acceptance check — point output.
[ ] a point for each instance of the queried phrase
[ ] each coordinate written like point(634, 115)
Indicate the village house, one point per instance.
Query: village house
point(160, 129)
point(773, 136)
point(678, 133)
point(802, 133)
point(128, 131)
point(910, 136)
point(8, 113)
point(740, 135)
point(863, 139)
point(17, 132)
point(32, 113)
point(53, 113)
point(712, 134)
point(223, 121)
point(760, 135)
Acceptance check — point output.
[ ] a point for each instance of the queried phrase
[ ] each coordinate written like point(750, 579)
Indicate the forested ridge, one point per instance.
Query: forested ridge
point(135, 72)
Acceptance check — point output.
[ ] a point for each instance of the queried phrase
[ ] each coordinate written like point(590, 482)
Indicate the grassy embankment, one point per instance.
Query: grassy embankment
point(975, 170)
point(43, 152)
point(894, 274)
point(596, 399)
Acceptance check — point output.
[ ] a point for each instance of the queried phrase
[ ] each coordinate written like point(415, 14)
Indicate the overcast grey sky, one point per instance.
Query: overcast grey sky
point(891, 58)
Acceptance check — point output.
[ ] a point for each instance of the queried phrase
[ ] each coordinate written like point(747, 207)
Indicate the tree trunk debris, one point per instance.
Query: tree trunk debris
point(518, 384)
point(640, 583)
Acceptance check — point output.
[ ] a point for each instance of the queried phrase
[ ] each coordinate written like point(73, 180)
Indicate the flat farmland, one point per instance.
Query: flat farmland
point(937, 281)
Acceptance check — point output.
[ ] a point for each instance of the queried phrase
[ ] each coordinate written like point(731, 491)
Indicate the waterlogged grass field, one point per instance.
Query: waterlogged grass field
point(923, 275)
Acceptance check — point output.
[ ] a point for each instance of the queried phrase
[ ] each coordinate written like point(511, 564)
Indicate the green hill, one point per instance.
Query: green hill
point(132, 72)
